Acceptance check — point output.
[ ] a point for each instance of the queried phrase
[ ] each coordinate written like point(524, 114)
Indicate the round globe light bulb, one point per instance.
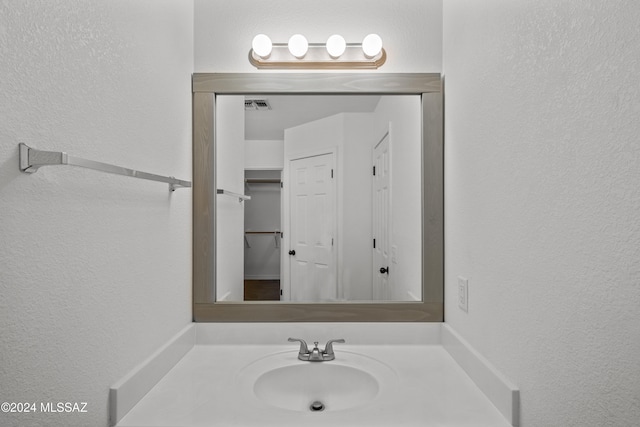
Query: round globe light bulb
point(298, 45)
point(262, 45)
point(336, 45)
point(372, 45)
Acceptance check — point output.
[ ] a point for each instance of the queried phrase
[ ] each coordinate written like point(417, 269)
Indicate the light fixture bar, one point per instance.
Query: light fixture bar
point(317, 57)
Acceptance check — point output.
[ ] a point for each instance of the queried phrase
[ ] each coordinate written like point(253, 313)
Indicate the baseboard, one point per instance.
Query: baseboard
point(504, 395)
point(127, 392)
point(413, 297)
point(224, 297)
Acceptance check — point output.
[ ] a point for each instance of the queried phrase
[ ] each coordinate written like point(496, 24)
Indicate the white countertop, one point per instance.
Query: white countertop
point(203, 389)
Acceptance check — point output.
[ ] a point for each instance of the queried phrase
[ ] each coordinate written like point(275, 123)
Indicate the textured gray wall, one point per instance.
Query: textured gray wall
point(543, 200)
point(95, 269)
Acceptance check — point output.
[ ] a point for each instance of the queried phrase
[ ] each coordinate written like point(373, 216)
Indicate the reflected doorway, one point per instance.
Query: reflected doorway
point(262, 236)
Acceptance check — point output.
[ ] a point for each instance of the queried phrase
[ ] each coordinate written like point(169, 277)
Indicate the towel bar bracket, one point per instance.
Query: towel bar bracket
point(31, 159)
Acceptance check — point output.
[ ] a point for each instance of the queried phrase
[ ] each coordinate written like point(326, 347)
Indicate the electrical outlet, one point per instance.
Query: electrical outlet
point(463, 294)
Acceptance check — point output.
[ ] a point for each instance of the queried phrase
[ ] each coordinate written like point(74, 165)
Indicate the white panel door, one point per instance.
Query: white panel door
point(312, 217)
point(381, 219)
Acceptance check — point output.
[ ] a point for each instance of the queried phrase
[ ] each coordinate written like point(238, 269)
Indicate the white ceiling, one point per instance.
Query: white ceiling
point(292, 110)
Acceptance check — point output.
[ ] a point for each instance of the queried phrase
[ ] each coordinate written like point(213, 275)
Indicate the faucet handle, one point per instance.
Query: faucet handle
point(303, 345)
point(328, 349)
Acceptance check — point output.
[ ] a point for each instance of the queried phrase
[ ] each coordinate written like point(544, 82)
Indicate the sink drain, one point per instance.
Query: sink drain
point(317, 406)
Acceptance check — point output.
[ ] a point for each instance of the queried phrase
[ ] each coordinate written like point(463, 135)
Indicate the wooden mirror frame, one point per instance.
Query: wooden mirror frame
point(206, 86)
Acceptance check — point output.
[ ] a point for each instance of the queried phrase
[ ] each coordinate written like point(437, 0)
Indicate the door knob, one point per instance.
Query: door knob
point(384, 270)
point(292, 252)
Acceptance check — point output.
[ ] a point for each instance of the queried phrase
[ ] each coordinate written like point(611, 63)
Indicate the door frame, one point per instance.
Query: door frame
point(387, 134)
point(285, 245)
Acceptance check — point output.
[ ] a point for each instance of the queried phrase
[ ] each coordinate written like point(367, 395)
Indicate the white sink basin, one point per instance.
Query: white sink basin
point(282, 381)
point(336, 387)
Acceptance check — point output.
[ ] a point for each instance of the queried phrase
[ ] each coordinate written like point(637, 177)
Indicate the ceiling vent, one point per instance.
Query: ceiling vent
point(256, 104)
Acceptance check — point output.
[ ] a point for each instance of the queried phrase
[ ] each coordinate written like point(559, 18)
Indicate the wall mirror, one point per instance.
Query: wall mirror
point(317, 197)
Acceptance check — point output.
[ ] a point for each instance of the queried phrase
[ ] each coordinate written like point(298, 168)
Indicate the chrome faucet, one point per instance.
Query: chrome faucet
point(316, 355)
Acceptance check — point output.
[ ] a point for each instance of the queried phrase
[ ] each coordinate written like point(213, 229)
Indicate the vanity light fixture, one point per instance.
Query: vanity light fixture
point(262, 46)
point(298, 45)
point(336, 45)
point(371, 45)
point(335, 53)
